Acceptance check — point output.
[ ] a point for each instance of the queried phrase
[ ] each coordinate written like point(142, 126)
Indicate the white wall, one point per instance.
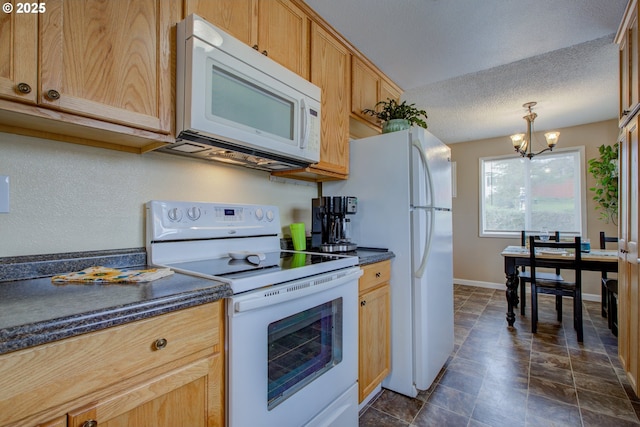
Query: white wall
point(67, 197)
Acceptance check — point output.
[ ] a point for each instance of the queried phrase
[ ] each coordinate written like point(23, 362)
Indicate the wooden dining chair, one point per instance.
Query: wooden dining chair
point(559, 288)
point(609, 289)
point(525, 276)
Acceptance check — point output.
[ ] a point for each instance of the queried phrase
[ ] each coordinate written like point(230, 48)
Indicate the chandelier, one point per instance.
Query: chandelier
point(523, 142)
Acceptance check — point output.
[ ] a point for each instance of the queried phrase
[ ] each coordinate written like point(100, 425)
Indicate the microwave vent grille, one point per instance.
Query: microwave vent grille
point(192, 144)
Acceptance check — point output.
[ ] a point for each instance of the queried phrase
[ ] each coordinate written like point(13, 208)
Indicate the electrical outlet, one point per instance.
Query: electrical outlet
point(4, 194)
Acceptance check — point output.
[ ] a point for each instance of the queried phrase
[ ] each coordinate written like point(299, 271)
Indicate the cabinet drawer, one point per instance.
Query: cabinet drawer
point(39, 378)
point(375, 274)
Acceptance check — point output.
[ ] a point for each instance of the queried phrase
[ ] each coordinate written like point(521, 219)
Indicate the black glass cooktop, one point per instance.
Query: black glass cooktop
point(274, 261)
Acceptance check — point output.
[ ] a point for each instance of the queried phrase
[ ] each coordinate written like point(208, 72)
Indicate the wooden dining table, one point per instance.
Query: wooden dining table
point(515, 256)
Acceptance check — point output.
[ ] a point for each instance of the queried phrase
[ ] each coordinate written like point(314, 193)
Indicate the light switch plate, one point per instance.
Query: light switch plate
point(4, 194)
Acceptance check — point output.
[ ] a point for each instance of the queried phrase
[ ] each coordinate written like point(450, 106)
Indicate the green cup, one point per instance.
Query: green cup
point(298, 236)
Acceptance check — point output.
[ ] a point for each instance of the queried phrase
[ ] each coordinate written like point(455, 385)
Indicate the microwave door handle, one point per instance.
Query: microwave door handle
point(306, 128)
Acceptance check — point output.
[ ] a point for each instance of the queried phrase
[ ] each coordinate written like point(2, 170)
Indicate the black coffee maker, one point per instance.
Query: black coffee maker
point(330, 225)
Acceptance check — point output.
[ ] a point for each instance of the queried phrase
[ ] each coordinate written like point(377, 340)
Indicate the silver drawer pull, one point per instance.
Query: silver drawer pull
point(90, 423)
point(160, 344)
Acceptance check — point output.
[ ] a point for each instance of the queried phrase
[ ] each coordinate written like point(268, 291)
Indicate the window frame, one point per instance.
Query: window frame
point(516, 234)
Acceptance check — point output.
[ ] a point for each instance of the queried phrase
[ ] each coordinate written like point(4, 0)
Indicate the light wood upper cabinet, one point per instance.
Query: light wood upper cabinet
point(364, 89)
point(277, 28)
point(237, 17)
point(102, 73)
point(330, 64)
point(389, 90)
point(107, 60)
point(368, 87)
point(283, 33)
point(18, 56)
point(629, 48)
point(374, 332)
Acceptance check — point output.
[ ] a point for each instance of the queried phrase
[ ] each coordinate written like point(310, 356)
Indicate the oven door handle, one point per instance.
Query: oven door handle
point(295, 290)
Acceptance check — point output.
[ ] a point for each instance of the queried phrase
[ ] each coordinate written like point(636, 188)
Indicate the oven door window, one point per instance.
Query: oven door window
point(301, 348)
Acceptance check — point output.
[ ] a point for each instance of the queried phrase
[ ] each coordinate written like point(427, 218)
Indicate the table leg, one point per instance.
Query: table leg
point(512, 297)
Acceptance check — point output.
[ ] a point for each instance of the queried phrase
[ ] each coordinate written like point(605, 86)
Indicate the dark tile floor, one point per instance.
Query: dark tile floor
point(499, 376)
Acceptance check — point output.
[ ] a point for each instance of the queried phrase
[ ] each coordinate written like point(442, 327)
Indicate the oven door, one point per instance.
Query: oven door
point(292, 351)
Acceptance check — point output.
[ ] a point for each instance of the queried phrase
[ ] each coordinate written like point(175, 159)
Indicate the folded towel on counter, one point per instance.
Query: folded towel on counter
point(112, 275)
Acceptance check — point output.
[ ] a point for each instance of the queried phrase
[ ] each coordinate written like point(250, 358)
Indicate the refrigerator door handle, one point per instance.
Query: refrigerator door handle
point(427, 248)
point(429, 184)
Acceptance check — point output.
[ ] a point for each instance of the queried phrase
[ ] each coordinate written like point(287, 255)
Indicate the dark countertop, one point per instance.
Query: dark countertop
point(373, 255)
point(35, 311)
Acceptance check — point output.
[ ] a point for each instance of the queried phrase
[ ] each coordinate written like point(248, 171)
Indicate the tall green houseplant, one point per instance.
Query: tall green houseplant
point(605, 170)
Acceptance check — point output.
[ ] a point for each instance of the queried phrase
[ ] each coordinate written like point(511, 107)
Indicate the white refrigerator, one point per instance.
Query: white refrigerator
point(403, 184)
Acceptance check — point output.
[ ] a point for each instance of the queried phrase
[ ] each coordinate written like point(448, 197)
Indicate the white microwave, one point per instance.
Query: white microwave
point(238, 106)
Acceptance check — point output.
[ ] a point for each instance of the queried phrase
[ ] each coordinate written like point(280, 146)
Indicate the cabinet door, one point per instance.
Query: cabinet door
point(629, 72)
point(633, 237)
point(388, 91)
point(18, 55)
point(330, 71)
point(108, 60)
point(237, 17)
point(374, 339)
point(283, 35)
point(628, 280)
point(58, 422)
point(364, 90)
point(178, 398)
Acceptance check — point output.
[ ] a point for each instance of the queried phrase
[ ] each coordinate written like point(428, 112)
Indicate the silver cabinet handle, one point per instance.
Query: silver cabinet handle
point(24, 88)
point(53, 95)
point(160, 344)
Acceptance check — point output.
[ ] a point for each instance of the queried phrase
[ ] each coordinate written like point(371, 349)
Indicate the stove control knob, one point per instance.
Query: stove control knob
point(259, 214)
point(174, 214)
point(193, 213)
point(270, 216)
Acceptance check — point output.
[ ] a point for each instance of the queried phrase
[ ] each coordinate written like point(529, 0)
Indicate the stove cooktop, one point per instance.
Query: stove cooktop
point(277, 267)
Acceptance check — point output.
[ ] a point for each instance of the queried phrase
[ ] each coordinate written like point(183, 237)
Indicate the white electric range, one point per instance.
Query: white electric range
point(293, 319)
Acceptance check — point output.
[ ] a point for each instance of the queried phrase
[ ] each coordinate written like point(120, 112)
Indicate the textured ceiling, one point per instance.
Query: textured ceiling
point(473, 63)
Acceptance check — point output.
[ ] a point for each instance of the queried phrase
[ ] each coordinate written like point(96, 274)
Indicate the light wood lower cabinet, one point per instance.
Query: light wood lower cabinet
point(164, 371)
point(374, 362)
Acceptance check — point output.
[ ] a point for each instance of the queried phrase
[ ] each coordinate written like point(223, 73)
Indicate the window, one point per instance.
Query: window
point(545, 192)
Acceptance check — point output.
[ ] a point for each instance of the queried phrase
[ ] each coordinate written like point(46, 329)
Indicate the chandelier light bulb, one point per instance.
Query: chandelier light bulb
point(552, 138)
point(517, 140)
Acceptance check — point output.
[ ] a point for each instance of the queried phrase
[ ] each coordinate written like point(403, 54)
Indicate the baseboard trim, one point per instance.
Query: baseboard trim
point(502, 286)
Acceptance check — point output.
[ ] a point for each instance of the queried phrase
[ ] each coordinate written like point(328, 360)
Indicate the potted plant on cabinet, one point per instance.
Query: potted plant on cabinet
point(396, 116)
point(605, 170)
